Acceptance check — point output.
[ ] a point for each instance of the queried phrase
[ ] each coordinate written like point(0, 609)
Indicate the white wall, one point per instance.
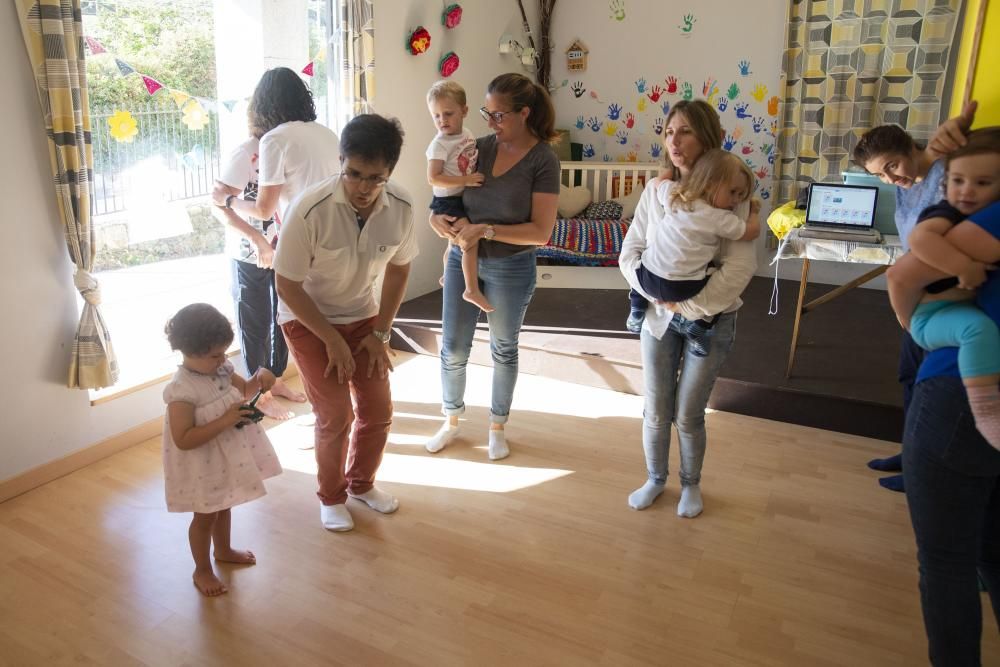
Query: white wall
point(43, 420)
point(402, 81)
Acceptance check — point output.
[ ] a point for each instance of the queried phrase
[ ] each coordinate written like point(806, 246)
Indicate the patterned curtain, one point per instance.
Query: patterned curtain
point(851, 65)
point(53, 35)
point(353, 45)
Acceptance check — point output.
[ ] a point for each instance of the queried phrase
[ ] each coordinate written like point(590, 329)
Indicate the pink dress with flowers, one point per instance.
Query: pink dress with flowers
point(227, 470)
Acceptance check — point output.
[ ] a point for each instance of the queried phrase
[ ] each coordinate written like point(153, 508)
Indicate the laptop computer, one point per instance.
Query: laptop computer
point(841, 211)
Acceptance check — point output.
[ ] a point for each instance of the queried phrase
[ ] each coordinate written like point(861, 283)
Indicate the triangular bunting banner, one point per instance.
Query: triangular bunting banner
point(229, 104)
point(124, 67)
point(180, 98)
point(152, 85)
point(209, 105)
point(308, 69)
point(95, 46)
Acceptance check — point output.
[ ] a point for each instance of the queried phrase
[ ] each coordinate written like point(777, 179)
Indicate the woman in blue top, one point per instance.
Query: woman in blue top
point(918, 173)
point(953, 485)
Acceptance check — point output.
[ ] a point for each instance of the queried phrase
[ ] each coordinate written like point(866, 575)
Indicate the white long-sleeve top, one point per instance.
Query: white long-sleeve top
point(737, 262)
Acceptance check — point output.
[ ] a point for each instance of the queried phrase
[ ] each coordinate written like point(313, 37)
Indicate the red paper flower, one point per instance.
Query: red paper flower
point(419, 41)
point(449, 63)
point(451, 16)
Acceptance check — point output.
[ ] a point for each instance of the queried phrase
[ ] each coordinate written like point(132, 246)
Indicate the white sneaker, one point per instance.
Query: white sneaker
point(336, 517)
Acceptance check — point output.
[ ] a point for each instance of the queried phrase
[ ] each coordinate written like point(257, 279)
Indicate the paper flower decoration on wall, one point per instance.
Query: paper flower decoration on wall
point(449, 63)
point(123, 126)
point(419, 41)
point(195, 116)
point(451, 16)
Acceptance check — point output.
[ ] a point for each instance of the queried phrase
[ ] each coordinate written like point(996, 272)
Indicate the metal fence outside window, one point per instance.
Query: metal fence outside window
point(188, 159)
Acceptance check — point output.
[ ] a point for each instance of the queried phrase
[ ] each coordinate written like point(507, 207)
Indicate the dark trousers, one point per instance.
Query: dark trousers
point(256, 300)
point(911, 356)
point(953, 493)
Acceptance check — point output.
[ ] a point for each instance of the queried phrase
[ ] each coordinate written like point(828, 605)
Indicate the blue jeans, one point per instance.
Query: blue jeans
point(508, 283)
point(678, 384)
point(256, 300)
point(953, 492)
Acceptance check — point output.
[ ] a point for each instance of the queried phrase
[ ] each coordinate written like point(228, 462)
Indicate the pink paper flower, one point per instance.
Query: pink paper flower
point(451, 16)
point(449, 63)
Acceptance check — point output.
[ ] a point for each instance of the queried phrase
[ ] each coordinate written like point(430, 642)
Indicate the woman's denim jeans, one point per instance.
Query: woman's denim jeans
point(953, 492)
point(508, 284)
point(678, 385)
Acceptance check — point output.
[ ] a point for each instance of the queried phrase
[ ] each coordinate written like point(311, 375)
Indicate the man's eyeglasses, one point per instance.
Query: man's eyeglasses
point(355, 177)
point(495, 116)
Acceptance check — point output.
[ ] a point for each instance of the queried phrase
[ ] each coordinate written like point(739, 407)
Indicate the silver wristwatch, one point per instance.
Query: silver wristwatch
point(489, 233)
point(383, 336)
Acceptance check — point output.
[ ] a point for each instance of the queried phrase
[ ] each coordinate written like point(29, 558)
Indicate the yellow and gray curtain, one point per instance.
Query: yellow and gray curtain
point(353, 43)
point(849, 66)
point(53, 35)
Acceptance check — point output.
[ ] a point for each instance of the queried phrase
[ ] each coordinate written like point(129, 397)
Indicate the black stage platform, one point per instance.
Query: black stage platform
point(845, 368)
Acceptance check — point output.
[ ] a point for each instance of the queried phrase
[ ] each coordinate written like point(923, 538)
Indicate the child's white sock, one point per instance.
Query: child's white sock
point(336, 517)
point(644, 496)
point(378, 500)
point(442, 438)
point(690, 504)
point(498, 445)
point(985, 405)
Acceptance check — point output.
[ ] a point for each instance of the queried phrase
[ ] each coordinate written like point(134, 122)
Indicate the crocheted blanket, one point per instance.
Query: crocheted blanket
point(586, 242)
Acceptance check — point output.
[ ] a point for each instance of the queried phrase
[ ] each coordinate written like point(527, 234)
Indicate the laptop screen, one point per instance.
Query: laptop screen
point(842, 206)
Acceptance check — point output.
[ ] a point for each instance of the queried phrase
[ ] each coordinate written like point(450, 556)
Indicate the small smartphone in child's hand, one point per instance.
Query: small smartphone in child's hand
point(254, 415)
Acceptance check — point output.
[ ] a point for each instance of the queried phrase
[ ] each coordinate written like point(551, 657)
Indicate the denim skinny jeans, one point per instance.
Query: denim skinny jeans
point(508, 284)
point(953, 493)
point(678, 385)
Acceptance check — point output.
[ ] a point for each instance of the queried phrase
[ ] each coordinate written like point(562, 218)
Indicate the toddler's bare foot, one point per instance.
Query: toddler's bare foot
point(283, 390)
point(208, 584)
point(477, 298)
point(235, 556)
point(271, 408)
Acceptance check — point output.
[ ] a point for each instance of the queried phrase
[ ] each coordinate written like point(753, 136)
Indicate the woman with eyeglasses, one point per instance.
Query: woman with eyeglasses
point(286, 152)
point(511, 214)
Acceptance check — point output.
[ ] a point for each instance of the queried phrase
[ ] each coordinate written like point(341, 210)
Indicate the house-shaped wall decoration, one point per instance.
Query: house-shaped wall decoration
point(576, 57)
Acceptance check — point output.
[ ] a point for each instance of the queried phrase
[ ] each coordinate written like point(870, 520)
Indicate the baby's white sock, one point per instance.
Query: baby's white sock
point(690, 504)
point(644, 496)
point(498, 445)
point(336, 517)
point(442, 438)
point(378, 500)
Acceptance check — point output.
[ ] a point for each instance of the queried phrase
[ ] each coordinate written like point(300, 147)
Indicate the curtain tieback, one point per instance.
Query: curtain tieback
point(87, 285)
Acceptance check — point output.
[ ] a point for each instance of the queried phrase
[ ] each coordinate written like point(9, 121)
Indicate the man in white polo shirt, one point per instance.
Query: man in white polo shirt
point(338, 237)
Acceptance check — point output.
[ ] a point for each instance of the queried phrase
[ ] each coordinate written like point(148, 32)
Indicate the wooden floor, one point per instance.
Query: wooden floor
point(799, 559)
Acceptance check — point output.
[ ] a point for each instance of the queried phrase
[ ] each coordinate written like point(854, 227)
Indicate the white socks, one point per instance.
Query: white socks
point(644, 496)
point(442, 438)
point(336, 517)
point(378, 500)
point(498, 445)
point(690, 505)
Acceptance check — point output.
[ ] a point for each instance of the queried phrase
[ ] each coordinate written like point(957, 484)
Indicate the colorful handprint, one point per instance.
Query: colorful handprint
point(738, 132)
point(629, 120)
point(761, 173)
point(606, 158)
point(658, 126)
point(765, 194)
point(654, 93)
point(729, 142)
point(772, 105)
point(617, 8)
point(588, 151)
point(774, 127)
point(665, 105)
point(595, 124)
point(741, 110)
point(580, 123)
point(758, 124)
point(641, 106)
point(640, 85)
point(632, 156)
point(614, 111)
point(578, 89)
point(746, 149)
point(687, 24)
point(622, 137)
point(733, 92)
point(655, 150)
point(671, 85)
point(766, 149)
point(759, 92)
point(723, 103)
point(687, 92)
point(744, 67)
point(610, 129)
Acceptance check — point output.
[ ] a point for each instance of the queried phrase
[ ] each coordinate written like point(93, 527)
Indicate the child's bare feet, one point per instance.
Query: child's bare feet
point(284, 391)
point(238, 556)
point(271, 408)
point(208, 583)
point(477, 298)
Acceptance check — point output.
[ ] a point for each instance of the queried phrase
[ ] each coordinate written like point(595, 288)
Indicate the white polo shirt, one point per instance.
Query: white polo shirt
point(297, 155)
point(322, 246)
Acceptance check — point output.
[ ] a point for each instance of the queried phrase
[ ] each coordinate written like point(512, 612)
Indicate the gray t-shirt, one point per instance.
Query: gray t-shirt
point(506, 199)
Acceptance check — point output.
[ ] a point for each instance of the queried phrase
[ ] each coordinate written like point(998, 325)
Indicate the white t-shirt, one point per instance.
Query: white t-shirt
point(298, 155)
point(459, 154)
point(321, 246)
point(240, 171)
point(682, 243)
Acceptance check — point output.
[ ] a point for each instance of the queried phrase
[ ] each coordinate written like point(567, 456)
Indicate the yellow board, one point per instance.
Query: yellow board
point(986, 78)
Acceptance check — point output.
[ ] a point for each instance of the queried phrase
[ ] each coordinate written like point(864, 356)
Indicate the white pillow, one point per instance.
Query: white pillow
point(573, 200)
point(629, 202)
